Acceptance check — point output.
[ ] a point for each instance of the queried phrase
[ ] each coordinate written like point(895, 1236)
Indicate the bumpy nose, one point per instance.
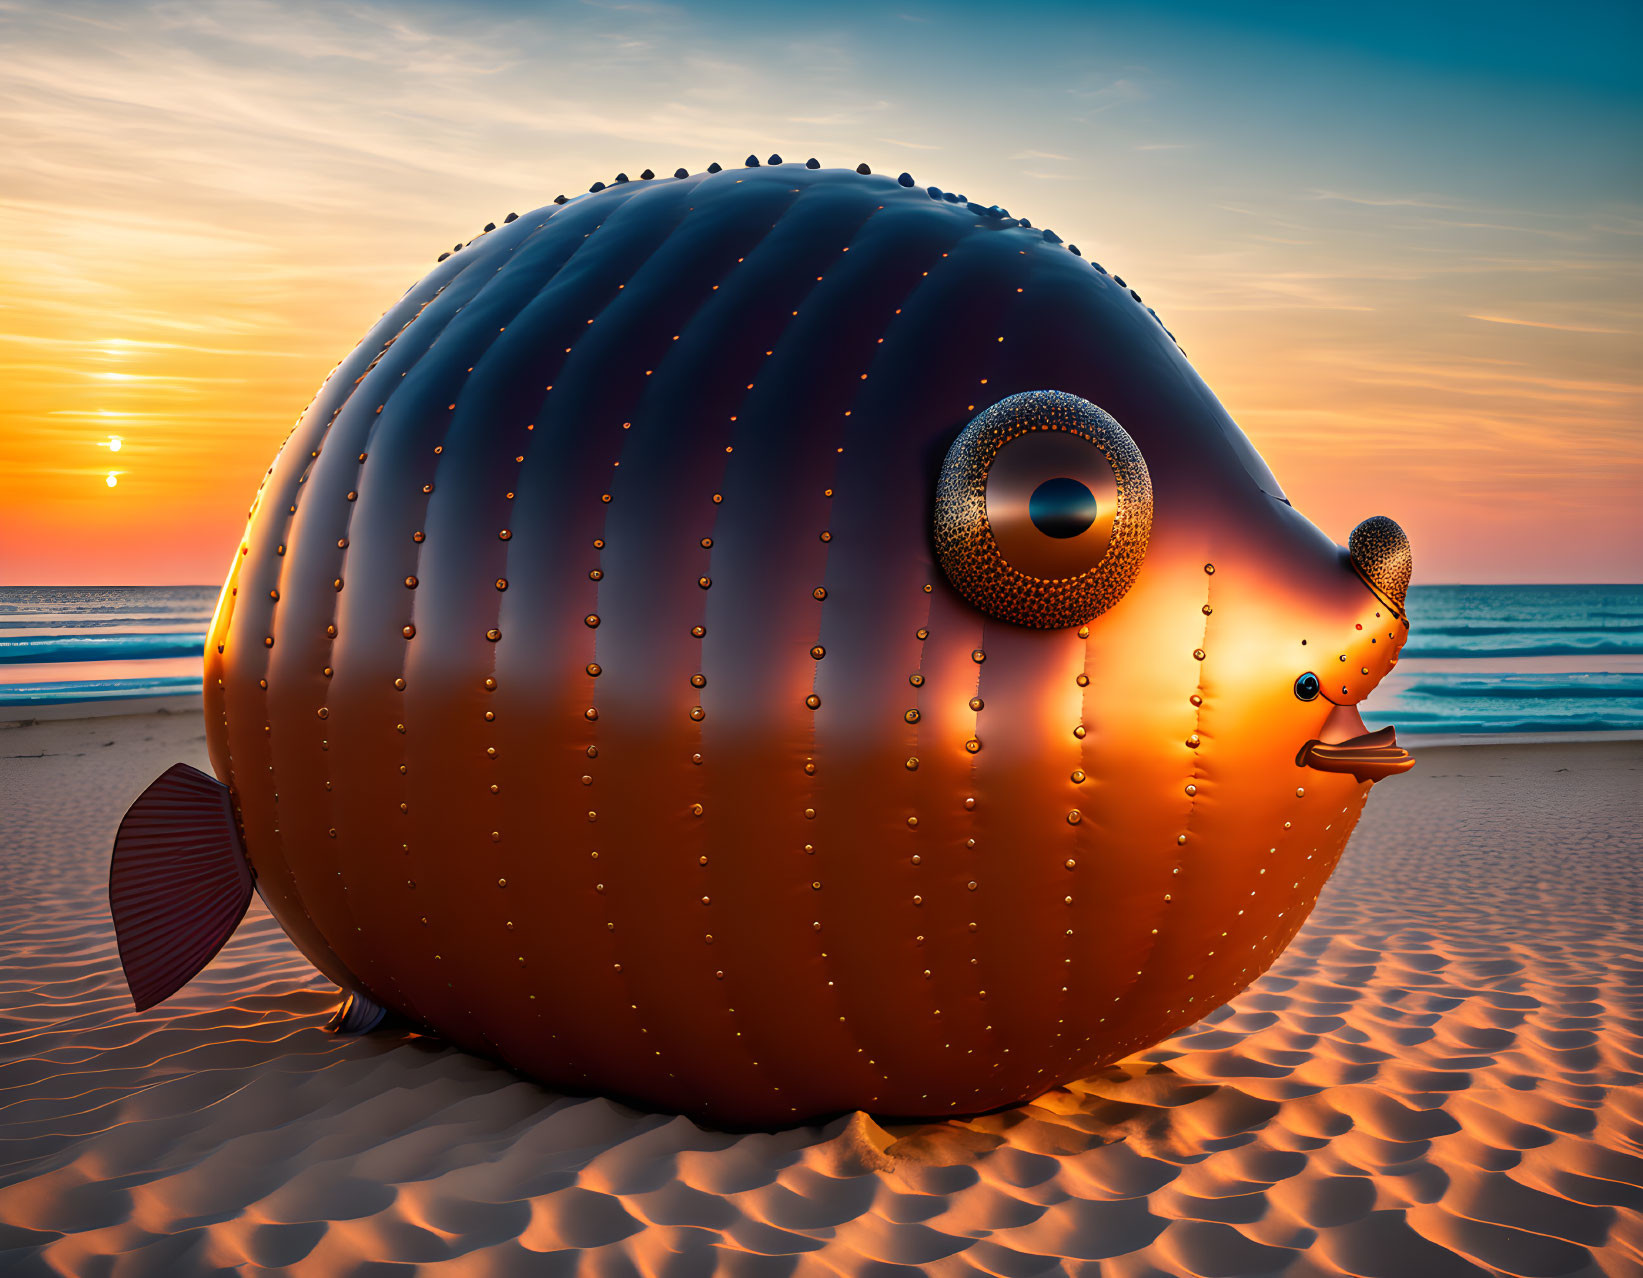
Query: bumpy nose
point(1380, 552)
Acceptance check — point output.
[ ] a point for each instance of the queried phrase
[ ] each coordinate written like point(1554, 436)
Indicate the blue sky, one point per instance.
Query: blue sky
point(1403, 244)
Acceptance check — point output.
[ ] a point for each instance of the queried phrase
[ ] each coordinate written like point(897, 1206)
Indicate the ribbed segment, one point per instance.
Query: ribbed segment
point(178, 884)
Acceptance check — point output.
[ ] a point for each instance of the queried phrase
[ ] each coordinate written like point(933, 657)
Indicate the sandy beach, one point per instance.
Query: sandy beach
point(1440, 1076)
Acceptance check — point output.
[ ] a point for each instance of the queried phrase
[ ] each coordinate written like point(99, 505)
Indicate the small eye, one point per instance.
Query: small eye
point(1043, 510)
point(1307, 687)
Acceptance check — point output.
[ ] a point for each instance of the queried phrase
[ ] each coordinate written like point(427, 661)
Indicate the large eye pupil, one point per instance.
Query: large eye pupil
point(1306, 687)
point(1061, 507)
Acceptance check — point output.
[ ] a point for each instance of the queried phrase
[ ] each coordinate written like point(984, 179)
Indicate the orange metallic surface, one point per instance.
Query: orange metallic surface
point(590, 692)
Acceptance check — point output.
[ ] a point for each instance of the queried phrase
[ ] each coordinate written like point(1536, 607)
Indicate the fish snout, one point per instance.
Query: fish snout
point(1344, 744)
point(1380, 554)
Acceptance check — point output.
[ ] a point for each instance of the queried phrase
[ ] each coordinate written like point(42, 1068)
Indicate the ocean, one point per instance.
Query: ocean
point(1480, 659)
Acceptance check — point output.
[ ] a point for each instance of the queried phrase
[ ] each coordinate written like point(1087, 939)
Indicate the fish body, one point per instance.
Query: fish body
point(635, 670)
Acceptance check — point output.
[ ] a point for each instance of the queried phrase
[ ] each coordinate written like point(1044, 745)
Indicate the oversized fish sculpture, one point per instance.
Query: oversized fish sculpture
point(770, 642)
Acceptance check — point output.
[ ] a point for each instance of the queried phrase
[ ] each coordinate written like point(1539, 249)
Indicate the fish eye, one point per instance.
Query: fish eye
point(1043, 510)
point(1307, 687)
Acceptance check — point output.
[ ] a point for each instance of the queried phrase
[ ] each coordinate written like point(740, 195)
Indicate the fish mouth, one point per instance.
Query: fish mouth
point(1345, 745)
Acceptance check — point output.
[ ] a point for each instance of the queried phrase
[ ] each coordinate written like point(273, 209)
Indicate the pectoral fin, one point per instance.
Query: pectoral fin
point(179, 882)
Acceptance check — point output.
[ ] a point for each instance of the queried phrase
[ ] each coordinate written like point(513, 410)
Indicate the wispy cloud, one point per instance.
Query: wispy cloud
point(1561, 328)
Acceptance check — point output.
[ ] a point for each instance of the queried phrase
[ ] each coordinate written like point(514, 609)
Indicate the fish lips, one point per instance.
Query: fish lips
point(1345, 745)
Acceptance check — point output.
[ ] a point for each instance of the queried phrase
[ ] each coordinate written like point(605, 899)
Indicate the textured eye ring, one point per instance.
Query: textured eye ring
point(1024, 547)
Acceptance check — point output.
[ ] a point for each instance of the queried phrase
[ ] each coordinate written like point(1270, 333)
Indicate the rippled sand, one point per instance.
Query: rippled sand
point(1441, 1076)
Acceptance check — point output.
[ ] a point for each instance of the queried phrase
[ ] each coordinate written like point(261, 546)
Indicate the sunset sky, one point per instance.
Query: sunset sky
point(1406, 251)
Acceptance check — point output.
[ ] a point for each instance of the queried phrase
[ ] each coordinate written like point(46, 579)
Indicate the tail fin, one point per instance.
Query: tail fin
point(178, 884)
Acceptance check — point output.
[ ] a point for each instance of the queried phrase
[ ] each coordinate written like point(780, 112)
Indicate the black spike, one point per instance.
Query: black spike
point(443, 256)
point(1073, 249)
point(775, 159)
point(1099, 267)
point(456, 248)
point(1119, 280)
point(597, 186)
point(934, 192)
point(1026, 223)
point(621, 177)
point(906, 179)
point(862, 168)
point(559, 199)
point(489, 227)
point(512, 217)
point(714, 167)
point(680, 173)
point(751, 162)
point(646, 176)
point(812, 163)
point(1051, 236)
